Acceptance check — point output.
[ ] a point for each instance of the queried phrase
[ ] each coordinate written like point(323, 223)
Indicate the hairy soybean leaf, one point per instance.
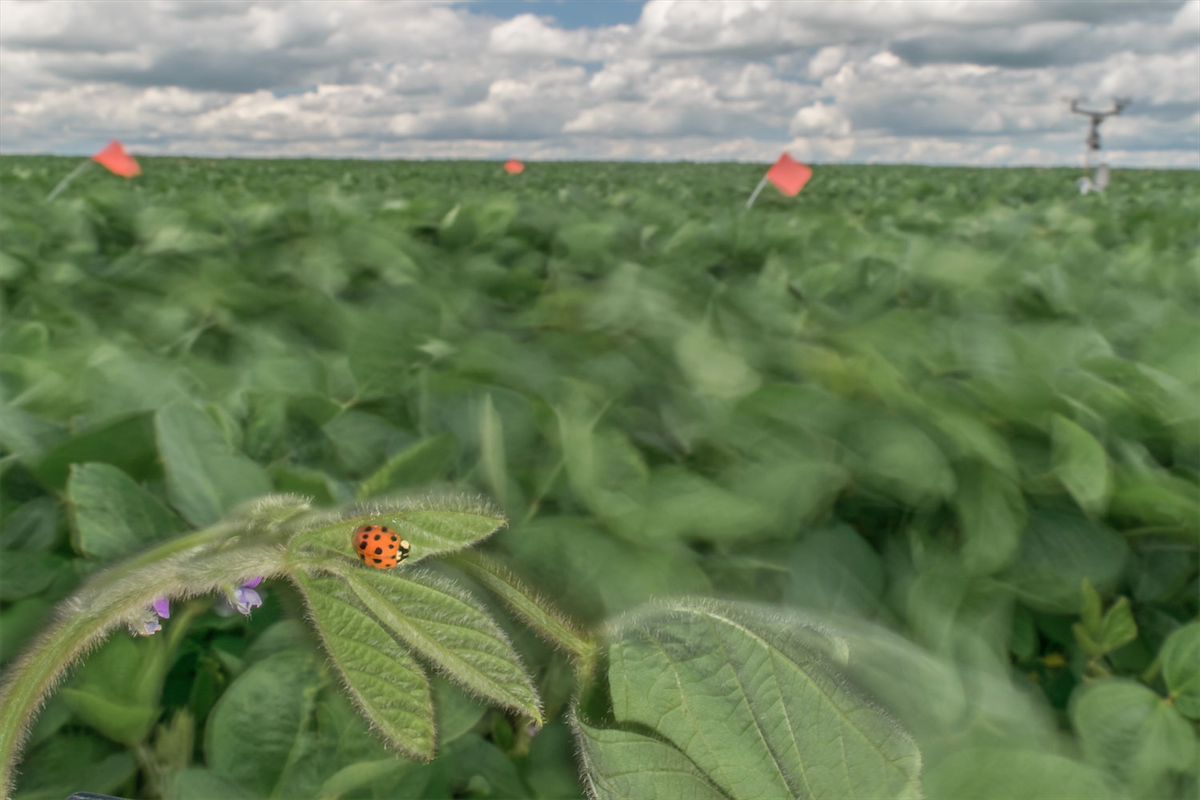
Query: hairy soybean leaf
point(1128, 729)
point(763, 712)
point(622, 765)
point(998, 773)
point(205, 476)
point(1080, 463)
point(112, 515)
point(386, 683)
point(447, 626)
point(257, 730)
point(1181, 668)
point(69, 761)
point(432, 527)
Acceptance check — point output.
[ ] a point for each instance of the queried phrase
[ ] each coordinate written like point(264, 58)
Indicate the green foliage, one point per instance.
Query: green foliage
point(754, 701)
point(918, 407)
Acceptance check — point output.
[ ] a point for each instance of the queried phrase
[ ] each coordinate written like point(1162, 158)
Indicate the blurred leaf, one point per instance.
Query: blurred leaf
point(599, 575)
point(65, 763)
point(835, 569)
point(112, 515)
point(1081, 464)
point(789, 729)
point(1058, 551)
point(117, 689)
point(126, 443)
point(446, 625)
point(33, 526)
point(553, 773)
point(199, 783)
point(623, 764)
point(386, 683)
point(256, 732)
point(455, 712)
point(417, 464)
point(1131, 731)
point(1181, 668)
point(900, 460)
point(991, 511)
point(713, 367)
point(19, 621)
point(206, 477)
point(26, 574)
point(997, 773)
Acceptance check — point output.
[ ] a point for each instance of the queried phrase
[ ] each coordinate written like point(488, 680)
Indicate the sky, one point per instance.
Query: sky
point(970, 82)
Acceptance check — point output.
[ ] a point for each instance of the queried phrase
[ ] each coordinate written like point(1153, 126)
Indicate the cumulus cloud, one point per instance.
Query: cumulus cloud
point(936, 81)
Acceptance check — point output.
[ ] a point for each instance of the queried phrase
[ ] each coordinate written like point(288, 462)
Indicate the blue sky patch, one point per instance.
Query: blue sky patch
point(567, 14)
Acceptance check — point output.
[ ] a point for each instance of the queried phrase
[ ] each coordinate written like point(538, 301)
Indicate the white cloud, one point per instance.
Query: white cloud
point(947, 82)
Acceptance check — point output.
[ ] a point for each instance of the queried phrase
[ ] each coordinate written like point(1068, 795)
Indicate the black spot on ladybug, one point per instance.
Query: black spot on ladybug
point(377, 537)
point(378, 551)
point(368, 527)
point(393, 537)
point(384, 529)
point(362, 545)
point(377, 560)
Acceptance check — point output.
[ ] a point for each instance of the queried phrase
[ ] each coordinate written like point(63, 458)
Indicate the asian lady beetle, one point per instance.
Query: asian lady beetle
point(380, 546)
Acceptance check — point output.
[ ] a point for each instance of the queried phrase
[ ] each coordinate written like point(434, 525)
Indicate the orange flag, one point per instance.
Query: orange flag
point(117, 160)
point(787, 174)
point(512, 166)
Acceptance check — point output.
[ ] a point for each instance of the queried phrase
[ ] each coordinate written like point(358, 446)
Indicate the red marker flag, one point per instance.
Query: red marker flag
point(512, 166)
point(114, 157)
point(787, 174)
point(117, 160)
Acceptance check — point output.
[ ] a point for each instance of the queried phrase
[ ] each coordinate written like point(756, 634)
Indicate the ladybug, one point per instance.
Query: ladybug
point(379, 546)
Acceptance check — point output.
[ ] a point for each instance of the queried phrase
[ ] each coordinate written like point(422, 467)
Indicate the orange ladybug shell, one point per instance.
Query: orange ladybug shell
point(379, 546)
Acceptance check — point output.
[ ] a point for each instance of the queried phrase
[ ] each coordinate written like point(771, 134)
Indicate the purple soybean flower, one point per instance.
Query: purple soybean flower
point(245, 598)
point(149, 623)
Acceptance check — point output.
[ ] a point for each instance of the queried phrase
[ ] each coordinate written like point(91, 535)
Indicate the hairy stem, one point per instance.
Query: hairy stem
point(182, 567)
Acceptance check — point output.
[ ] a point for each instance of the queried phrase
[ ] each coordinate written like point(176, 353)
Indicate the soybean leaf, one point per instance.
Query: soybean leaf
point(1181, 668)
point(126, 443)
point(118, 688)
point(386, 683)
point(1118, 628)
point(1001, 773)
point(432, 527)
point(991, 511)
point(257, 730)
point(1081, 464)
point(553, 773)
point(206, 477)
point(417, 464)
point(198, 783)
point(359, 775)
point(25, 574)
point(1128, 729)
point(449, 628)
point(67, 762)
point(624, 765)
point(1060, 549)
point(33, 526)
point(752, 699)
point(112, 515)
point(454, 711)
